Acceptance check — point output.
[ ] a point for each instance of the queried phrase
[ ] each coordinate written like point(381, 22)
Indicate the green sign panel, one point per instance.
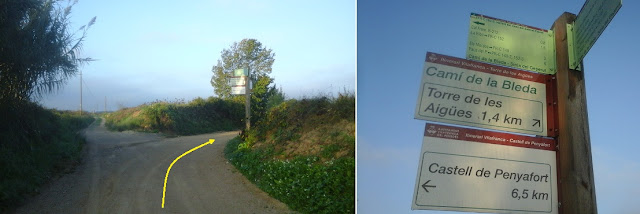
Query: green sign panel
point(593, 18)
point(240, 72)
point(511, 44)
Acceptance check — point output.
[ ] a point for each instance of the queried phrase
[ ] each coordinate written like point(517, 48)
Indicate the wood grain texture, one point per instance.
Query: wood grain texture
point(575, 167)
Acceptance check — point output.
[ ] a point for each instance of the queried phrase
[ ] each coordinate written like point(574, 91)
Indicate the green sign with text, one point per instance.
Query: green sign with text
point(240, 72)
point(593, 18)
point(511, 44)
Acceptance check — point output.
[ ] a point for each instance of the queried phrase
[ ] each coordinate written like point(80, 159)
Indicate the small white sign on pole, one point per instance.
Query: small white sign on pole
point(238, 90)
point(237, 81)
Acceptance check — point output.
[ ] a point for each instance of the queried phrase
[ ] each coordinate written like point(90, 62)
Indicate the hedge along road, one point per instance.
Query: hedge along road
point(123, 172)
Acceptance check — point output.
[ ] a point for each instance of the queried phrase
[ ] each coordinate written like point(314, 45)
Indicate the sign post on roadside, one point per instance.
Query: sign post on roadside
point(240, 84)
point(575, 166)
point(463, 169)
point(247, 107)
point(238, 81)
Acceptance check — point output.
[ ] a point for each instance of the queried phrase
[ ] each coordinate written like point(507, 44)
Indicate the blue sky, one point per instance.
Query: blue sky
point(393, 39)
point(150, 50)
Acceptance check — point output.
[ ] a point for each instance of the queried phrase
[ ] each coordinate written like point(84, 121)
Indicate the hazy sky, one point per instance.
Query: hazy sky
point(393, 39)
point(150, 50)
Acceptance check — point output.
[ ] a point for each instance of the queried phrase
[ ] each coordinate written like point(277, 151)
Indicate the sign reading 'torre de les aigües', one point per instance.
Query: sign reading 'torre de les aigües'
point(465, 92)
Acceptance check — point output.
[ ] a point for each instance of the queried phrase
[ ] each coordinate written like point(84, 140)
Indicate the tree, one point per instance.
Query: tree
point(38, 53)
point(248, 53)
point(261, 96)
point(276, 97)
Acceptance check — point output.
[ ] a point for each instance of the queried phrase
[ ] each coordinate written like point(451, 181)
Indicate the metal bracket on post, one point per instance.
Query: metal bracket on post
point(573, 62)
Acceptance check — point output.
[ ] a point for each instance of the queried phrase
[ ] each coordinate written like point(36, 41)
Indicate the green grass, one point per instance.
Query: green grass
point(196, 117)
point(303, 154)
point(35, 145)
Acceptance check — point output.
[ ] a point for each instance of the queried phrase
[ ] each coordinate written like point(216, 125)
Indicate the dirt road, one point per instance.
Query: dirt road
point(123, 172)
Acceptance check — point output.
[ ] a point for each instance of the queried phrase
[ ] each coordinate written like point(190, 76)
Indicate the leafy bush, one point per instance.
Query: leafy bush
point(289, 120)
point(196, 117)
point(304, 183)
point(34, 144)
point(303, 153)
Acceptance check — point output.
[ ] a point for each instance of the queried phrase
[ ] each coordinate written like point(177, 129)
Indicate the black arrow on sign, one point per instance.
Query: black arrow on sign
point(478, 23)
point(425, 186)
point(537, 122)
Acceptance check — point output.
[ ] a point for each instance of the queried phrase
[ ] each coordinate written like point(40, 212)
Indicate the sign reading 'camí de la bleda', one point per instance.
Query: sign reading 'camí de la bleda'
point(466, 92)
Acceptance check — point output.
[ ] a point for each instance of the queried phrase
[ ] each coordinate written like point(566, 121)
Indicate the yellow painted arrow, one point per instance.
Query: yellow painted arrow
point(164, 188)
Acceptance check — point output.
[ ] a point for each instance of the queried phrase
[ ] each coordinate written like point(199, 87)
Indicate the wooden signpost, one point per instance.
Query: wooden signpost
point(575, 166)
point(451, 155)
point(240, 84)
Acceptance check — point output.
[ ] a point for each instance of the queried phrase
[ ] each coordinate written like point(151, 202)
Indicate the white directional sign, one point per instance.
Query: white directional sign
point(237, 81)
point(238, 84)
point(593, 18)
point(465, 92)
point(481, 171)
point(237, 90)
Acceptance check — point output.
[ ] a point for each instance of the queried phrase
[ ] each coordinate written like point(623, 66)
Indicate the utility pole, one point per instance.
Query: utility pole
point(80, 92)
point(105, 103)
point(576, 185)
point(247, 107)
